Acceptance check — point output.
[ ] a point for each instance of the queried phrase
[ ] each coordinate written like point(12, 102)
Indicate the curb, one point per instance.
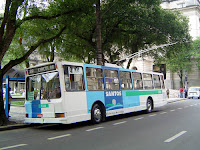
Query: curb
point(16, 126)
point(175, 100)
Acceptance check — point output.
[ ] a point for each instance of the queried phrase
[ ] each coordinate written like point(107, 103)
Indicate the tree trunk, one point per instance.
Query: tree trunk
point(98, 35)
point(52, 53)
point(181, 78)
point(134, 49)
point(3, 119)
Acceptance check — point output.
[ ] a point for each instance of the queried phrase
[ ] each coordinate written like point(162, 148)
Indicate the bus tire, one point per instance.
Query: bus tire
point(96, 114)
point(149, 105)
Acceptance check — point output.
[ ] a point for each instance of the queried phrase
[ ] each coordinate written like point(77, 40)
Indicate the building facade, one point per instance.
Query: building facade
point(190, 9)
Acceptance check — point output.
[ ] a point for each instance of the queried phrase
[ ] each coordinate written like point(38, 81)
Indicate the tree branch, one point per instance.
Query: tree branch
point(2, 28)
point(47, 17)
point(34, 47)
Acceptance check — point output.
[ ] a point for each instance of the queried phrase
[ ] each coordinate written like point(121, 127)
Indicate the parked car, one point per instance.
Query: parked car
point(194, 92)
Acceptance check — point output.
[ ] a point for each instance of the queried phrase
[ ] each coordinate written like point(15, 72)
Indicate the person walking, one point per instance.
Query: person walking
point(167, 93)
point(185, 92)
point(181, 92)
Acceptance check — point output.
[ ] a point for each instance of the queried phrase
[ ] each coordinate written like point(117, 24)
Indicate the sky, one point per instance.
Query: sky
point(2, 3)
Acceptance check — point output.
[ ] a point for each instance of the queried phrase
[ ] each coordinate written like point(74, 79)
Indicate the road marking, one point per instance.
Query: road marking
point(163, 113)
point(191, 105)
point(172, 110)
point(119, 123)
point(186, 106)
point(180, 108)
point(94, 129)
point(14, 146)
point(139, 118)
point(152, 115)
point(175, 137)
point(57, 137)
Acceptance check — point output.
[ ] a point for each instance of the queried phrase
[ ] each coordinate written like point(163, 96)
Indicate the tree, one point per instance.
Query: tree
point(196, 51)
point(127, 26)
point(25, 16)
point(177, 59)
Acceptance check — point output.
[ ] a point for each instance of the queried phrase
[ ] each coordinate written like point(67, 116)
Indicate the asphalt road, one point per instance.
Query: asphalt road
point(173, 127)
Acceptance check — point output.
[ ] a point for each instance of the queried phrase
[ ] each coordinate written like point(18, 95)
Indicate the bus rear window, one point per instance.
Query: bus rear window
point(74, 80)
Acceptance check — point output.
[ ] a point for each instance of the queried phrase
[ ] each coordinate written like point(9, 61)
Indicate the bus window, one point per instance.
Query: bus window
point(73, 76)
point(137, 80)
point(45, 86)
point(147, 80)
point(50, 86)
point(162, 81)
point(156, 80)
point(126, 82)
point(112, 79)
point(94, 79)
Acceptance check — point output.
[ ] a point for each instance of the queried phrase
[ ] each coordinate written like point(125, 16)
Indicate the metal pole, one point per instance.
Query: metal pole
point(7, 95)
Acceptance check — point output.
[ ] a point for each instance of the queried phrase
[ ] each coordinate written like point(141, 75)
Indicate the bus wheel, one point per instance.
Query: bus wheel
point(149, 106)
point(96, 114)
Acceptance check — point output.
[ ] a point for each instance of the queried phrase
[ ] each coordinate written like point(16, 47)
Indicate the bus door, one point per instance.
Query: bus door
point(113, 93)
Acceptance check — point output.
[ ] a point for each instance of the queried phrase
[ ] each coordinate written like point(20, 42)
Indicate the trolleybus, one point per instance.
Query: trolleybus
point(68, 92)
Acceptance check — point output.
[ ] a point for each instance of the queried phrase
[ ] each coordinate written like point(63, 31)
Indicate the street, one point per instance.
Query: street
point(173, 127)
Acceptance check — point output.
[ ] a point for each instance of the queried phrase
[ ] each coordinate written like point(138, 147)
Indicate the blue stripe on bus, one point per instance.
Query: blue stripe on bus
point(32, 108)
point(93, 96)
point(130, 101)
point(35, 108)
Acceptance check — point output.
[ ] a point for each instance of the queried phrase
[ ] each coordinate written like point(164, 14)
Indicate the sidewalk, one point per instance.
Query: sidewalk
point(17, 114)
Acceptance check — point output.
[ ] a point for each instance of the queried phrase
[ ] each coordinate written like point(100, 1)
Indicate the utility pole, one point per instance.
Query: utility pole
point(98, 34)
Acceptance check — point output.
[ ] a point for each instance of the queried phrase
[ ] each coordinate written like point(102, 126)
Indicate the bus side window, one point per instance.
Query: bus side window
point(147, 79)
point(162, 81)
point(94, 79)
point(137, 80)
point(74, 80)
point(126, 81)
point(156, 80)
point(111, 79)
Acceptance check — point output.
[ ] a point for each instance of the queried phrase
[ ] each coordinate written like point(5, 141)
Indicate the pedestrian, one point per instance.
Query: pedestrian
point(185, 92)
point(9, 100)
point(181, 92)
point(167, 93)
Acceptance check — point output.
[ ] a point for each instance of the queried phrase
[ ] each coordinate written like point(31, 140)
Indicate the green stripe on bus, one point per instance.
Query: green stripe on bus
point(138, 93)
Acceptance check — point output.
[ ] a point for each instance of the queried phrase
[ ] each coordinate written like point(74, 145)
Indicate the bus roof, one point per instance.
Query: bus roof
point(92, 65)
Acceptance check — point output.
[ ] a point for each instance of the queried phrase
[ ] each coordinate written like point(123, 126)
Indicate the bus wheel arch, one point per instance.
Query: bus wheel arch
point(149, 105)
point(98, 112)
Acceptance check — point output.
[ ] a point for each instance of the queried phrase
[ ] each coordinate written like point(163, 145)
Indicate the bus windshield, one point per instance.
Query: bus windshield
point(43, 86)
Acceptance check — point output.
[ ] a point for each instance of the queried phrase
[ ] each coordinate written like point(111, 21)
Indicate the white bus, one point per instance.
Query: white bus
point(68, 92)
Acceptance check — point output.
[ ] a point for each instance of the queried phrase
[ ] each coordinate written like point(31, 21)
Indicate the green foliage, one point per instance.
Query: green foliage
point(127, 26)
point(196, 51)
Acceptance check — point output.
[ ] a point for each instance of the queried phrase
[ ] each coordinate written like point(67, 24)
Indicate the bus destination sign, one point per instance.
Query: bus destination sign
point(42, 69)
